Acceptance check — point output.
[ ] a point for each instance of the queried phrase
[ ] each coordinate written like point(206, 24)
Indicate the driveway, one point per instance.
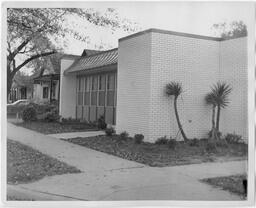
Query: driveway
point(106, 177)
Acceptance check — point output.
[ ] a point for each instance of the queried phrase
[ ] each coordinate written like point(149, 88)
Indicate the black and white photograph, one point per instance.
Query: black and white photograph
point(128, 102)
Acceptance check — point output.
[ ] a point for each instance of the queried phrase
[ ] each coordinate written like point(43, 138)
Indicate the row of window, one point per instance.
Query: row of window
point(97, 90)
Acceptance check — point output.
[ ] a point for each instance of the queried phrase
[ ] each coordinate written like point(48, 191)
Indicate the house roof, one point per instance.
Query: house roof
point(22, 81)
point(97, 60)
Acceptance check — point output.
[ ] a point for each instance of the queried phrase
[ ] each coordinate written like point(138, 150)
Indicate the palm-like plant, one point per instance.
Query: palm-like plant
point(211, 100)
point(175, 89)
point(221, 91)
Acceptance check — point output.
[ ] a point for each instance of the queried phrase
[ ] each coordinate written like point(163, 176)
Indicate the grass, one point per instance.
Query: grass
point(233, 184)
point(25, 164)
point(161, 155)
point(55, 127)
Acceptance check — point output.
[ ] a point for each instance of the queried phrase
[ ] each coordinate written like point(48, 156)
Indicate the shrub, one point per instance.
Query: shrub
point(211, 147)
point(194, 142)
point(221, 143)
point(124, 135)
point(138, 138)
point(233, 138)
point(101, 123)
point(110, 131)
point(52, 116)
point(29, 114)
point(172, 143)
point(161, 140)
point(218, 134)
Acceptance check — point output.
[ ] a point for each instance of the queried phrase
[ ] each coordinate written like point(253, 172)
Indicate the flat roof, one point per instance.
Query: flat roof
point(176, 34)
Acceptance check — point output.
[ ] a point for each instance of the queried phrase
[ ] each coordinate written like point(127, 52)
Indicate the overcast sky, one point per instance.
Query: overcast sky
point(189, 17)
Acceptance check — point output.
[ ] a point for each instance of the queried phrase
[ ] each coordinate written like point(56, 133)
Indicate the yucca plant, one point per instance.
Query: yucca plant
point(218, 97)
point(221, 91)
point(175, 89)
point(211, 100)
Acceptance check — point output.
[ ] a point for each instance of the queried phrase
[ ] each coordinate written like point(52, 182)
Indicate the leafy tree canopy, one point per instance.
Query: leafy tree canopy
point(32, 32)
point(230, 30)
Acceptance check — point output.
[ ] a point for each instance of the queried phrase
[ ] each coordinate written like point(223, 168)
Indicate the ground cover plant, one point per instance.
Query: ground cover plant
point(170, 154)
point(233, 183)
point(25, 164)
point(56, 127)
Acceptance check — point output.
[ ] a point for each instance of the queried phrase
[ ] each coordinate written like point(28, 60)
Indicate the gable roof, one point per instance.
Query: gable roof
point(99, 59)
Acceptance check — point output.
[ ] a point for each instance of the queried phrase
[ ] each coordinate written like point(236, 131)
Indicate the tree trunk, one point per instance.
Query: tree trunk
point(9, 80)
point(213, 123)
point(178, 120)
point(218, 118)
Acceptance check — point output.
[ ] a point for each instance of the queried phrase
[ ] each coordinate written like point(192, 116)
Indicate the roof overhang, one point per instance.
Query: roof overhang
point(96, 70)
point(46, 78)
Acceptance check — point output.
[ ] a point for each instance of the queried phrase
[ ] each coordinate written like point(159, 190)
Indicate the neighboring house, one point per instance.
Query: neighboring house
point(126, 85)
point(46, 85)
point(22, 88)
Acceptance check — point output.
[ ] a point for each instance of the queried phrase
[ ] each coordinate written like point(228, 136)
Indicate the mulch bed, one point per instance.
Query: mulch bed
point(232, 183)
point(25, 164)
point(55, 127)
point(161, 155)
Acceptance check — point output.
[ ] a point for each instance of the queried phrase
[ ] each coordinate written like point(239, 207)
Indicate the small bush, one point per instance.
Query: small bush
point(233, 138)
point(52, 116)
point(138, 138)
point(194, 142)
point(161, 140)
point(124, 135)
point(218, 134)
point(29, 114)
point(221, 143)
point(211, 147)
point(101, 123)
point(172, 143)
point(110, 131)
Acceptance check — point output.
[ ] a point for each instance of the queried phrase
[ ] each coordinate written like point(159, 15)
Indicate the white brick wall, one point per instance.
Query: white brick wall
point(233, 69)
point(146, 63)
point(192, 62)
point(67, 91)
point(133, 85)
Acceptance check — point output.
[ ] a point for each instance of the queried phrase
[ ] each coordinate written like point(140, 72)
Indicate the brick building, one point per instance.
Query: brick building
point(126, 85)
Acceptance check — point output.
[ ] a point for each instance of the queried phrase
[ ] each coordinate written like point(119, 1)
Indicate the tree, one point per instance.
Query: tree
point(31, 32)
point(175, 89)
point(234, 29)
point(218, 97)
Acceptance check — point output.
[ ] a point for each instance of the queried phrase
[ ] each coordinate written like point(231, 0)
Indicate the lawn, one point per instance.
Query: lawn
point(161, 155)
point(25, 164)
point(232, 183)
point(55, 127)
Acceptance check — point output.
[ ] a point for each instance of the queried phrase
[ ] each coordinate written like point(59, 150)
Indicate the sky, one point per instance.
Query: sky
point(188, 17)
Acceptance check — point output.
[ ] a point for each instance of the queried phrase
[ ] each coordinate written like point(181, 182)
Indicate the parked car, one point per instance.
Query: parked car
point(17, 106)
point(19, 103)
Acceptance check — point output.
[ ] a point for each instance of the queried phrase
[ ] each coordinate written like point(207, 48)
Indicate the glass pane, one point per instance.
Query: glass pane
point(110, 98)
point(94, 98)
point(102, 98)
point(111, 81)
point(80, 98)
point(87, 98)
point(94, 83)
point(102, 82)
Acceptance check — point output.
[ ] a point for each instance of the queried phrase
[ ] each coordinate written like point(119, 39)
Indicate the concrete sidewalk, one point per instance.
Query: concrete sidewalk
point(83, 158)
point(76, 134)
point(107, 177)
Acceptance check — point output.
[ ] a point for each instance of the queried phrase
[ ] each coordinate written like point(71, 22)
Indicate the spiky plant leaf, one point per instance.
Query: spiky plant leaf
point(173, 89)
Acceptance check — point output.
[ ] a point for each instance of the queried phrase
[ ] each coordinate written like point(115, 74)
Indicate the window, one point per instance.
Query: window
point(111, 90)
point(79, 91)
point(94, 90)
point(87, 91)
point(45, 92)
point(102, 87)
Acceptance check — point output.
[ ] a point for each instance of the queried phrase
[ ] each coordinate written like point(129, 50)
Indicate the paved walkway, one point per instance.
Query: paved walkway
point(106, 177)
point(76, 134)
